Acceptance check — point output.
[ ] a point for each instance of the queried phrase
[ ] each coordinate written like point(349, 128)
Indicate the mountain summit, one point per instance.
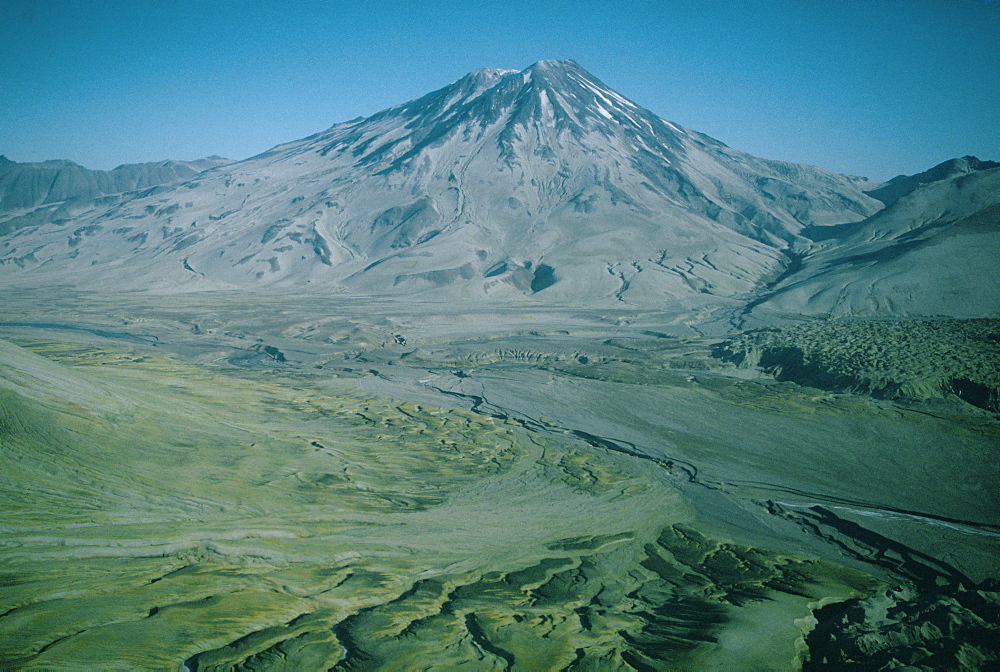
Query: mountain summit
point(541, 183)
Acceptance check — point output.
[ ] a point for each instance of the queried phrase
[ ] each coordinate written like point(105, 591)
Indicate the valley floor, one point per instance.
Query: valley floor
point(224, 481)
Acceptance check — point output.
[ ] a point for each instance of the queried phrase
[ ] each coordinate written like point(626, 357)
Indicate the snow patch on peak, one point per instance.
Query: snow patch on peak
point(553, 64)
point(546, 107)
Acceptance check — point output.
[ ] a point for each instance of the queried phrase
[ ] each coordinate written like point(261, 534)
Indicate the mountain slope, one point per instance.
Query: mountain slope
point(26, 185)
point(543, 182)
point(932, 252)
point(901, 185)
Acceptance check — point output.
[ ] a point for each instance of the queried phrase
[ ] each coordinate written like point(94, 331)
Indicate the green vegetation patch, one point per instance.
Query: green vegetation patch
point(230, 519)
point(663, 604)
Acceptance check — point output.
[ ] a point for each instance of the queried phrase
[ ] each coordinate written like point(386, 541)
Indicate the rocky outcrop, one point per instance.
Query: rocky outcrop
point(913, 360)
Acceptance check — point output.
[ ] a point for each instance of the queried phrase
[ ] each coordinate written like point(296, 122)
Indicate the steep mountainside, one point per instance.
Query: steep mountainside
point(543, 182)
point(934, 251)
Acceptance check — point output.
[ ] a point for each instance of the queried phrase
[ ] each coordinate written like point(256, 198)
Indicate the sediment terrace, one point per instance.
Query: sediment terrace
point(913, 360)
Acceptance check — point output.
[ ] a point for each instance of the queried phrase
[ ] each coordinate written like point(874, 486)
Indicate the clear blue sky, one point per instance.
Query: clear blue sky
point(865, 87)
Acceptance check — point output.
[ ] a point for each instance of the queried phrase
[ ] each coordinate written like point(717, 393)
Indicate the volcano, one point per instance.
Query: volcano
point(543, 183)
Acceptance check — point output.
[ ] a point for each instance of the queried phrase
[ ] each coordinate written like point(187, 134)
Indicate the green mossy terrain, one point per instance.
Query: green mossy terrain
point(229, 519)
point(208, 484)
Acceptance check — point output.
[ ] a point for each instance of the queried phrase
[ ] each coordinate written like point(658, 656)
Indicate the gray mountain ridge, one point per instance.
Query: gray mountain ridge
point(27, 185)
point(933, 251)
point(539, 185)
point(901, 185)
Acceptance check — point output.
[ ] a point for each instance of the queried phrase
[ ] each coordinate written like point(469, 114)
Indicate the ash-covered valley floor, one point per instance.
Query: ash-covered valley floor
point(234, 481)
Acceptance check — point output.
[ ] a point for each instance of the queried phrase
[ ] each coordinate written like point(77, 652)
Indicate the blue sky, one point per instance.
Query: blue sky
point(866, 87)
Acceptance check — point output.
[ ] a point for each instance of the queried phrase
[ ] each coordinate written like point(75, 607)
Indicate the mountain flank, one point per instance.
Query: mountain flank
point(27, 185)
point(933, 251)
point(542, 186)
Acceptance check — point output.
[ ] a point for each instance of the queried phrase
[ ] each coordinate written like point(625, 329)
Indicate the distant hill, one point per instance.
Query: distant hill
point(933, 251)
point(26, 185)
point(900, 186)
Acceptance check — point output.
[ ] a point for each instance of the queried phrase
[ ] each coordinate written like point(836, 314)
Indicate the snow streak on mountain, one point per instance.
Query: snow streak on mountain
point(541, 184)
